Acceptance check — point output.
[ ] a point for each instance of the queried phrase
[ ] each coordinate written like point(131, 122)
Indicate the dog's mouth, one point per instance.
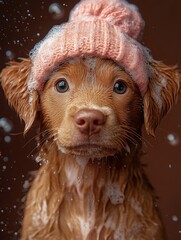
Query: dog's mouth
point(88, 149)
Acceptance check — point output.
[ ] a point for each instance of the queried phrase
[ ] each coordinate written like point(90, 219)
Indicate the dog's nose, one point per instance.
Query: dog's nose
point(89, 121)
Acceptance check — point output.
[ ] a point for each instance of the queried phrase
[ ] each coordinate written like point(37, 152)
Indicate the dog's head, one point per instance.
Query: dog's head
point(92, 106)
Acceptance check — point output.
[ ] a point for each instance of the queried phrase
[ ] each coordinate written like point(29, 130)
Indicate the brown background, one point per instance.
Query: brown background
point(22, 24)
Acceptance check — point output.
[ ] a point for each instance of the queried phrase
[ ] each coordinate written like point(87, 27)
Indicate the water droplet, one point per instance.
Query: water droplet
point(5, 159)
point(173, 139)
point(38, 159)
point(174, 218)
point(4, 168)
point(6, 124)
point(56, 11)
point(10, 55)
point(65, 5)
point(7, 139)
point(26, 184)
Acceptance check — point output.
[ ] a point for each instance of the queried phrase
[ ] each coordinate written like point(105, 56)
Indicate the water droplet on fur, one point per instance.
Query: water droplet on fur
point(6, 124)
point(56, 11)
point(9, 55)
point(173, 139)
point(38, 159)
point(65, 5)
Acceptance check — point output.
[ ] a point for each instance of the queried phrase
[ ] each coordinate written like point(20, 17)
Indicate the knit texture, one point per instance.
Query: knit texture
point(97, 28)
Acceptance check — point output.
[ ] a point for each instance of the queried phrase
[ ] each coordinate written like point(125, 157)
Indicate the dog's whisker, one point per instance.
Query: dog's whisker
point(42, 141)
point(37, 136)
point(133, 132)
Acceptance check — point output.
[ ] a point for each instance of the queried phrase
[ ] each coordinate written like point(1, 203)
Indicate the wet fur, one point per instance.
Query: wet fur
point(102, 193)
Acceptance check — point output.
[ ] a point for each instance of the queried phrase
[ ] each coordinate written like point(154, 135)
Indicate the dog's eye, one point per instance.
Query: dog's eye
point(120, 87)
point(62, 85)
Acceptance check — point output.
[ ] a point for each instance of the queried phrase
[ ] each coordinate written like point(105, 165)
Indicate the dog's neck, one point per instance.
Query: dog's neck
point(87, 172)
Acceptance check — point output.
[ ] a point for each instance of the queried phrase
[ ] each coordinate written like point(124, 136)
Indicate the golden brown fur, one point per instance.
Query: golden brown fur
point(91, 186)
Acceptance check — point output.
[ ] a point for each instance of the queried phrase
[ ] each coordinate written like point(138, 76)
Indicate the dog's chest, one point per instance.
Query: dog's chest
point(89, 202)
point(94, 213)
point(95, 203)
point(92, 216)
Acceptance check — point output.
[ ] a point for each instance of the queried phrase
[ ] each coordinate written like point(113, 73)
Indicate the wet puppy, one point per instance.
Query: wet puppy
point(92, 85)
point(91, 184)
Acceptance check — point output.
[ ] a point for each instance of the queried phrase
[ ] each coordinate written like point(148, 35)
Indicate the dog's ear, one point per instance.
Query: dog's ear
point(163, 90)
point(14, 81)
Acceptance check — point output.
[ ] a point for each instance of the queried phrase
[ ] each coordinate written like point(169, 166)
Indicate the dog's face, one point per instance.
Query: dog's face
point(92, 107)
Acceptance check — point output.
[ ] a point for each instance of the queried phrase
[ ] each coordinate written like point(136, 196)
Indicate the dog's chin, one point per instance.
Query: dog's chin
point(89, 150)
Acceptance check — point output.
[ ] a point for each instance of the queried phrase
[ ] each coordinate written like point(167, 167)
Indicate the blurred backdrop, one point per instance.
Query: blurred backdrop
point(22, 25)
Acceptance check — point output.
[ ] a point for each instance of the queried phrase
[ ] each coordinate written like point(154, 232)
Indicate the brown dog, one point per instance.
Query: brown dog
point(92, 184)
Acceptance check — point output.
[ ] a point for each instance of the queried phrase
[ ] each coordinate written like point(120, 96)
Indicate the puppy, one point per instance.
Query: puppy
point(92, 184)
point(91, 109)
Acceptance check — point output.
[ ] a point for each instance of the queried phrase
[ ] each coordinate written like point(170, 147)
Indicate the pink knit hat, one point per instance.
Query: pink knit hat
point(98, 28)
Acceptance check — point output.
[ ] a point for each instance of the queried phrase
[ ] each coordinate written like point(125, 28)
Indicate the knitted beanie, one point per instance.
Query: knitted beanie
point(109, 29)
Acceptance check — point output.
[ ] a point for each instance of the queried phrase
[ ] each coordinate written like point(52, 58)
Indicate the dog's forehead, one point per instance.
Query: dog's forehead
point(91, 64)
point(87, 63)
point(94, 67)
